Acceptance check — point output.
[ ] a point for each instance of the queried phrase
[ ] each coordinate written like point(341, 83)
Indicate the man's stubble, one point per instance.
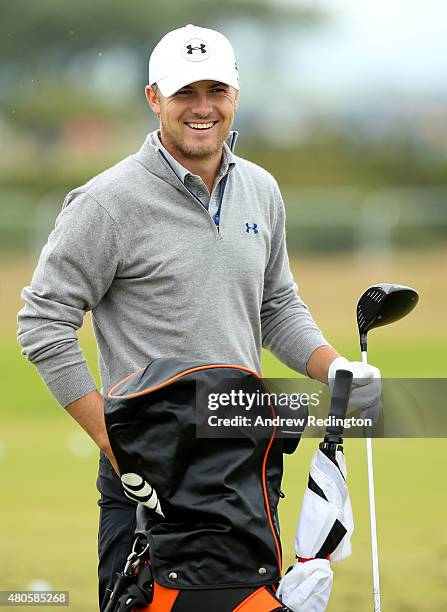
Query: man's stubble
point(194, 152)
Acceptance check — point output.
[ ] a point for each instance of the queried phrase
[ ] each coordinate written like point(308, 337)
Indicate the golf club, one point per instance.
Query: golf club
point(379, 305)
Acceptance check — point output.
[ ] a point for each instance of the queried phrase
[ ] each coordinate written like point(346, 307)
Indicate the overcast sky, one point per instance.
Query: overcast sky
point(397, 44)
point(366, 52)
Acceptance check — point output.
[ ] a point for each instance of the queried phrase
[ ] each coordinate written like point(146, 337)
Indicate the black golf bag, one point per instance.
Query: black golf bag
point(207, 533)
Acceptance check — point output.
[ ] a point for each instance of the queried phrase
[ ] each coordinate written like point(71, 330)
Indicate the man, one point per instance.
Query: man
point(178, 250)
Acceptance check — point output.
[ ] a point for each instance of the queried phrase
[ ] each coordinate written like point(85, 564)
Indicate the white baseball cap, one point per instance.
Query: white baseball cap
point(192, 54)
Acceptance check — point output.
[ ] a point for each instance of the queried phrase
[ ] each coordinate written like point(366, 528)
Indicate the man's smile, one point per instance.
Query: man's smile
point(201, 126)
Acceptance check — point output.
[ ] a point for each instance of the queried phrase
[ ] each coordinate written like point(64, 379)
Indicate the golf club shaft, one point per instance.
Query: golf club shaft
point(372, 516)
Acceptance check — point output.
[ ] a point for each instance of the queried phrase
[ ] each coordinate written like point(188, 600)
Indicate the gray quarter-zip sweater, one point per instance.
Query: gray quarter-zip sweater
point(163, 276)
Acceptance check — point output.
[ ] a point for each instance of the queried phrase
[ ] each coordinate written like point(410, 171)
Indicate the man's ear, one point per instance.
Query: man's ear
point(153, 99)
point(236, 102)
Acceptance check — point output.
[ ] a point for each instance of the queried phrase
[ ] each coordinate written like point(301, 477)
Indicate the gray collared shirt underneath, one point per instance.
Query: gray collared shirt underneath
point(193, 182)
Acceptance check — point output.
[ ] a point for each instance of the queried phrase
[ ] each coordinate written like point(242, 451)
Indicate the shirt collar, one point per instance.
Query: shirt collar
point(228, 158)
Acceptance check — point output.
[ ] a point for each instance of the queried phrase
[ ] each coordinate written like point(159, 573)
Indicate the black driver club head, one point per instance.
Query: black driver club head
point(383, 304)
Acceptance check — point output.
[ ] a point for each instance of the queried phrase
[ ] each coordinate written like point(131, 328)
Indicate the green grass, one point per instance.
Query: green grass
point(49, 513)
point(48, 528)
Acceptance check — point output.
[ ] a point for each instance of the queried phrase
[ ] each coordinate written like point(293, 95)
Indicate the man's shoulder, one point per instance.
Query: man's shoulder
point(110, 187)
point(256, 174)
point(116, 179)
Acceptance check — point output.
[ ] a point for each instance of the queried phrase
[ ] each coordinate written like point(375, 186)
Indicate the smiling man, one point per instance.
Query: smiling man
point(194, 123)
point(178, 251)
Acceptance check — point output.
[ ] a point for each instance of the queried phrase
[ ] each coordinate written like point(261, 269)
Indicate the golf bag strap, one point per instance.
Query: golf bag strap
point(139, 593)
point(121, 584)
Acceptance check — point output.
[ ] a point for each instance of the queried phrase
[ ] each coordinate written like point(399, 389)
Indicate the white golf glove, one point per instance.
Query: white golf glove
point(366, 386)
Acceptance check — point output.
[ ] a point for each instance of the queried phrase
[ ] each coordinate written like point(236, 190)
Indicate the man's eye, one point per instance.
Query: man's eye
point(184, 92)
point(218, 89)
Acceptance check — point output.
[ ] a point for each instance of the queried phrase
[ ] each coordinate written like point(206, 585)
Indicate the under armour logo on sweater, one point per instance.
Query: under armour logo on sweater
point(253, 228)
point(201, 48)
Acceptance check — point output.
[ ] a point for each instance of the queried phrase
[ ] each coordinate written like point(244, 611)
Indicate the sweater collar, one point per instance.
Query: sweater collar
point(149, 156)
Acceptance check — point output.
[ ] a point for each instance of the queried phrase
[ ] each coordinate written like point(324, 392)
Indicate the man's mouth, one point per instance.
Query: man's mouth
point(201, 126)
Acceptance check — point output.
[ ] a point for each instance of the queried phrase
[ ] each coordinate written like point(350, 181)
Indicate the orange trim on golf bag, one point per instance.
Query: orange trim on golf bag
point(174, 378)
point(264, 463)
point(163, 600)
point(259, 601)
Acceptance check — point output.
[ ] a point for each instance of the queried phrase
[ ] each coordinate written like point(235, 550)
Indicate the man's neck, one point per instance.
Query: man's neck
point(207, 168)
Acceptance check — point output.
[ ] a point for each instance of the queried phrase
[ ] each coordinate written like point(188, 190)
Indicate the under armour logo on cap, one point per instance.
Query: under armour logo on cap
point(196, 50)
point(201, 48)
point(191, 54)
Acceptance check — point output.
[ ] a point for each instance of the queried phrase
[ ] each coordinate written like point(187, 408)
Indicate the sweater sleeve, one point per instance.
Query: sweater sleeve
point(288, 329)
point(75, 270)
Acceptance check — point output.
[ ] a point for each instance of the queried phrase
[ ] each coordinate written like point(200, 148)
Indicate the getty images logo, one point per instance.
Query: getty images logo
point(251, 228)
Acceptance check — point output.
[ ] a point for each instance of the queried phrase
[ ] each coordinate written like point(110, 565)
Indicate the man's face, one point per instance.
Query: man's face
point(196, 119)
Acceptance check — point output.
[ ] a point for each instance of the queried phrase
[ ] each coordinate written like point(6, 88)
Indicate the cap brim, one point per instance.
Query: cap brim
point(169, 85)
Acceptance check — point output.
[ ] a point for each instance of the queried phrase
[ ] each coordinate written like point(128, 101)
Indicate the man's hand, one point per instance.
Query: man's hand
point(366, 386)
point(88, 411)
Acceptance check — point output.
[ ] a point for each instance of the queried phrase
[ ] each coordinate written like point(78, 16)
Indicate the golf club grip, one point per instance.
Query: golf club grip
point(340, 400)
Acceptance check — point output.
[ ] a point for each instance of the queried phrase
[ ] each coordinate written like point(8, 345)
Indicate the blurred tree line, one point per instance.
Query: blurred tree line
point(63, 119)
point(54, 31)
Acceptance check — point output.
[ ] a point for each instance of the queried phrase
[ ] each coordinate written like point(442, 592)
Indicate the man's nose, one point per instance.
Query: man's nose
point(202, 104)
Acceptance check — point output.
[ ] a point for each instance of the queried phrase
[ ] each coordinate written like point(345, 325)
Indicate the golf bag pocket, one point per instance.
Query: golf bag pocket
point(210, 502)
